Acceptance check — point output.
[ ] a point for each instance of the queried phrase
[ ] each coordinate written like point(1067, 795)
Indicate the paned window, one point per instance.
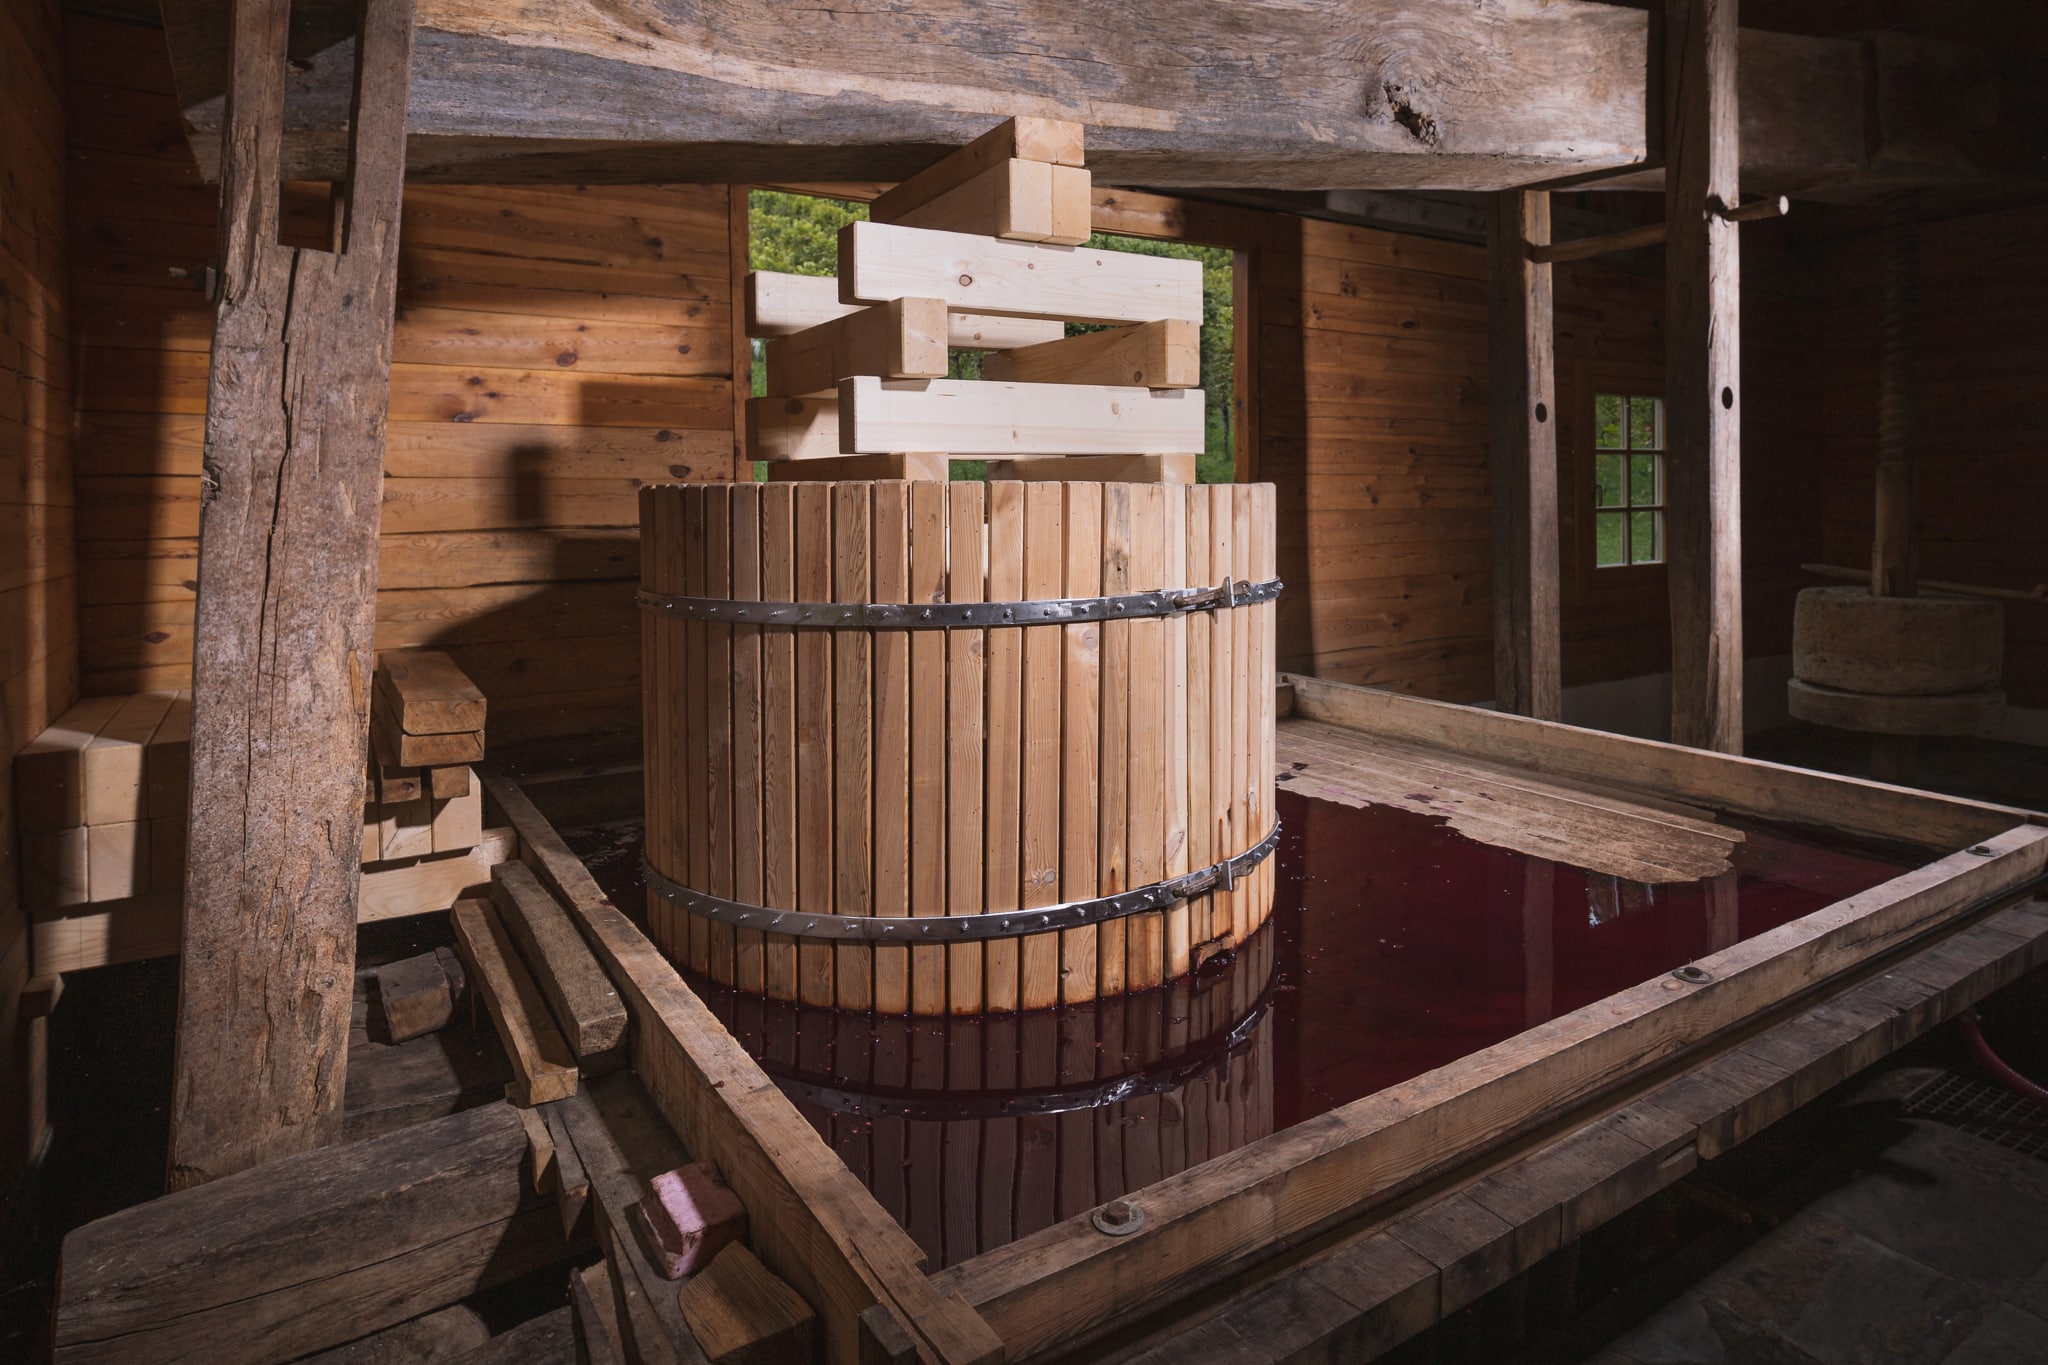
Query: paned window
point(1628, 480)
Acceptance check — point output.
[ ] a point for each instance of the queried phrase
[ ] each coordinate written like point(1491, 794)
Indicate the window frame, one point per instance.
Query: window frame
point(1579, 467)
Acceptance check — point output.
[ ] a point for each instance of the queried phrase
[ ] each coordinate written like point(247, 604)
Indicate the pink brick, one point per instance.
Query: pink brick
point(688, 1217)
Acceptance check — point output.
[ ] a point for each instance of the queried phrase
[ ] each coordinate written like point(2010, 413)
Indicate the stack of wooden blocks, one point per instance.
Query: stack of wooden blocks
point(982, 252)
point(426, 728)
point(99, 798)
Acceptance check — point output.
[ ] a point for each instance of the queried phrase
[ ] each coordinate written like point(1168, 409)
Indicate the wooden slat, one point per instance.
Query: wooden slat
point(853, 732)
point(779, 305)
point(1002, 870)
point(928, 747)
point(878, 262)
point(717, 780)
point(893, 774)
point(1145, 797)
point(1201, 849)
point(1080, 742)
point(1044, 550)
point(976, 418)
point(966, 691)
point(815, 830)
point(779, 738)
point(1173, 709)
point(1112, 852)
point(585, 1005)
point(749, 834)
point(1244, 708)
point(693, 774)
point(542, 1062)
point(1153, 355)
point(428, 694)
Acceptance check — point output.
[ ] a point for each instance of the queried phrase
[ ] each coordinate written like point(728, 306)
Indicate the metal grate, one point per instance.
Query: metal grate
point(1984, 1110)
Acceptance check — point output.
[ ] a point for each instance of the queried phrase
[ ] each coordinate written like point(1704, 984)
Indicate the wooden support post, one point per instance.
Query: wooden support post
point(1522, 363)
point(1702, 380)
point(282, 660)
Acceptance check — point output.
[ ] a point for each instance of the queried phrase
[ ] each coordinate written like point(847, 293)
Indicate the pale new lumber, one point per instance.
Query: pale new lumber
point(1043, 649)
point(923, 468)
point(1023, 201)
point(1052, 142)
point(779, 305)
point(428, 694)
point(116, 860)
point(111, 767)
point(1750, 786)
point(543, 1066)
point(893, 774)
point(167, 766)
point(742, 1314)
point(1081, 722)
point(813, 1224)
point(928, 715)
point(968, 418)
point(585, 1003)
point(901, 339)
point(405, 829)
point(434, 883)
point(880, 261)
point(1035, 1291)
point(54, 868)
point(853, 727)
point(449, 781)
point(49, 792)
point(792, 428)
point(1099, 468)
point(1152, 355)
point(457, 823)
point(380, 1231)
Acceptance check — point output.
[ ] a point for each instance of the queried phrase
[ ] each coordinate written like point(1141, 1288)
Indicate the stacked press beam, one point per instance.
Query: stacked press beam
point(908, 773)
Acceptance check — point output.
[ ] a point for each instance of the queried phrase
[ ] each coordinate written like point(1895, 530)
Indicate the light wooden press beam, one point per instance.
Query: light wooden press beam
point(1702, 375)
point(1521, 360)
point(282, 661)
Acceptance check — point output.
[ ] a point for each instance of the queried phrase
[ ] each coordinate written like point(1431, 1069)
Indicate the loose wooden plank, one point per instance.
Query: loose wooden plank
point(585, 1004)
point(780, 305)
point(928, 748)
point(966, 692)
point(410, 1222)
point(592, 1298)
point(544, 1067)
point(853, 731)
point(1081, 703)
point(1152, 355)
point(1044, 549)
point(975, 418)
point(892, 773)
point(289, 533)
point(901, 339)
point(423, 751)
point(880, 261)
point(743, 1314)
point(428, 694)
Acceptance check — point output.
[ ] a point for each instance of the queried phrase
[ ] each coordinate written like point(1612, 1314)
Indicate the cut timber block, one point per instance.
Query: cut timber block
point(926, 468)
point(572, 1182)
point(1024, 201)
point(542, 1064)
point(540, 1151)
point(792, 428)
point(49, 789)
point(457, 822)
point(167, 853)
point(591, 1297)
point(901, 339)
point(112, 764)
point(1053, 142)
point(393, 784)
point(414, 995)
point(1153, 355)
point(167, 767)
point(53, 868)
point(586, 1005)
point(881, 261)
point(742, 1314)
point(373, 833)
point(74, 937)
point(968, 418)
point(405, 830)
point(117, 860)
point(689, 1216)
point(420, 751)
point(1099, 468)
point(448, 782)
point(780, 305)
point(392, 891)
point(428, 694)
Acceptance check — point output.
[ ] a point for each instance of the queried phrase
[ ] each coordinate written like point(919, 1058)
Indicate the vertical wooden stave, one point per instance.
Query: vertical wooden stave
point(718, 720)
point(695, 930)
point(1195, 662)
point(962, 1145)
point(1145, 821)
point(1002, 873)
point(1081, 731)
point(1038, 1135)
point(966, 687)
point(1222, 709)
point(890, 567)
point(1112, 855)
point(778, 738)
point(815, 884)
point(654, 708)
point(1173, 543)
point(1268, 567)
point(1243, 708)
point(1038, 955)
point(853, 696)
point(928, 755)
point(748, 845)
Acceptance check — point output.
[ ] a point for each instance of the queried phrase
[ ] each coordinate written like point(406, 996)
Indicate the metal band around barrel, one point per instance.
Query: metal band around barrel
point(958, 615)
point(965, 928)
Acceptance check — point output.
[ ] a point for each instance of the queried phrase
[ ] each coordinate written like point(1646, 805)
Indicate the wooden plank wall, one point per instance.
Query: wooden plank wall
point(1981, 398)
point(1372, 419)
point(555, 348)
point(38, 583)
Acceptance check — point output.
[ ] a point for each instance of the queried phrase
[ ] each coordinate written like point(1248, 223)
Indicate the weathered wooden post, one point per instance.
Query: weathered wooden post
point(282, 659)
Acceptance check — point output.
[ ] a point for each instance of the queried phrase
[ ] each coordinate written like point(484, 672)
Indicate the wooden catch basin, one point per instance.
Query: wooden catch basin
point(874, 807)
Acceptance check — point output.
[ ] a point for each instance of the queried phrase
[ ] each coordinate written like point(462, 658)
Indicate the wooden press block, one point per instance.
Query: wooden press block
point(395, 784)
point(1153, 355)
point(928, 468)
point(406, 829)
point(425, 751)
point(778, 305)
point(458, 822)
point(49, 793)
point(689, 1216)
point(743, 1314)
point(113, 760)
point(414, 996)
point(426, 694)
point(373, 833)
point(591, 1297)
point(1025, 138)
point(882, 261)
point(582, 998)
point(117, 860)
point(1098, 468)
point(968, 418)
point(167, 763)
point(541, 1060)
point(453, 780)
point(53, 868)
point(903, 339)
point(1027, 201)
point(167, 852)
point(792, 428)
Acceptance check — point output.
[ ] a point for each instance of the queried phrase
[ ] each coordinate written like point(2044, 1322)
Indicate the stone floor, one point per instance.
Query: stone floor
point(1935, 1252)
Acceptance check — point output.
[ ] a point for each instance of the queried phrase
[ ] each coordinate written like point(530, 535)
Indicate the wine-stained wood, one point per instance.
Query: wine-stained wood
point(288, 545)
point(1703, 375)
point(1522, 363)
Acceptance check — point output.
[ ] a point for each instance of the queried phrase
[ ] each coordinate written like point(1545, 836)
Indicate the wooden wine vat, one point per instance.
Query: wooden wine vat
point(852, 773)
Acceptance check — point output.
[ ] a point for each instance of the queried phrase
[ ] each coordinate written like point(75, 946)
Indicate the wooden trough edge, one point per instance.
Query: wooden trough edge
point(1067, 1284)
point(812, 1222)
